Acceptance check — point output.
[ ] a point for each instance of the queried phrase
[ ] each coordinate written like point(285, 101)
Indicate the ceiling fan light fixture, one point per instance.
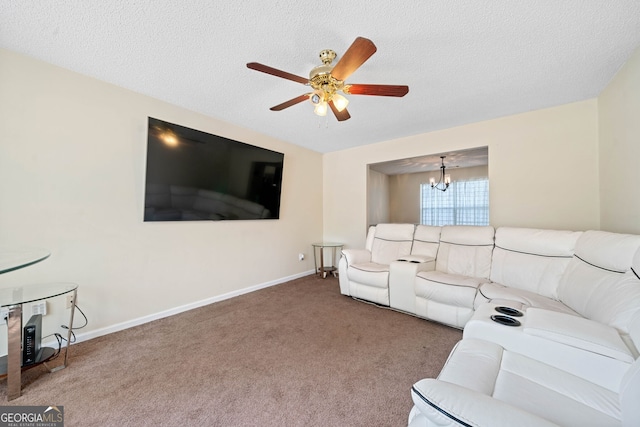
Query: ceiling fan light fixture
point(321, 109)
point(315, 98)
point(327, 80)
point(340, 102)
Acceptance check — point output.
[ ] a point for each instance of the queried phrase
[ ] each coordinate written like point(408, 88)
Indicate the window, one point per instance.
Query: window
point(464, 203)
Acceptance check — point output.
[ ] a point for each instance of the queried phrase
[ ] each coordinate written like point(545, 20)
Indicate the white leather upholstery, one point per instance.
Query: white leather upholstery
point(577, 332)
point(592, 366)
point(594, 283)
point(630, 396)
point(426, 241)
point(463, 262)
point(466, 250)
point(365, 273)
point(492, 292)
point(565, 368)
point(512, 389)
point(574, 358)
point(446, 298)
point(401, 280)
point(391, 241)
point(532, 259)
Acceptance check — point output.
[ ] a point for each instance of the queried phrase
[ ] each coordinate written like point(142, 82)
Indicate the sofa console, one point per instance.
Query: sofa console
point(550, 319)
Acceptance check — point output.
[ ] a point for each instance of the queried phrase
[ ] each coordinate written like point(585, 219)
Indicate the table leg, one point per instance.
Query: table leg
point(334, 268)
point(324, 273)
point(69, 332)
point(14, 353)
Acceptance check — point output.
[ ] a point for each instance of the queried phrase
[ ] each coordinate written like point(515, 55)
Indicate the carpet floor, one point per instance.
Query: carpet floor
point(295, 354)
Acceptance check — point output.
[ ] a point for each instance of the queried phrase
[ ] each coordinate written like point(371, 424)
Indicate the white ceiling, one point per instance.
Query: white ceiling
point(463, 61)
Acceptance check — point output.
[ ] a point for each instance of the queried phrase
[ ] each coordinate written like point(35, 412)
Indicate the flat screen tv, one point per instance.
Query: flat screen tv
point(196, 176)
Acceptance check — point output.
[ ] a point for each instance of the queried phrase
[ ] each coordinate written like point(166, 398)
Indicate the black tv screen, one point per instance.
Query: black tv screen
point(196, 176)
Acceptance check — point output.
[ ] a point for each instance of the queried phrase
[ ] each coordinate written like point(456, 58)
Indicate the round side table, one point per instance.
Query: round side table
point(322, 269)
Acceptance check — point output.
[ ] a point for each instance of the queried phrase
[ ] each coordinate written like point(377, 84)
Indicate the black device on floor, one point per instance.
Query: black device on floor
point(32, 335)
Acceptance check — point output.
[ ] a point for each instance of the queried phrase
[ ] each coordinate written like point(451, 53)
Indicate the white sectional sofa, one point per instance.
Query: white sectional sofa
point(550, 318)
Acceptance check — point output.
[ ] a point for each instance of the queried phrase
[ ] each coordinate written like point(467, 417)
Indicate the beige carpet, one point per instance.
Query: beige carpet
point(296, 354)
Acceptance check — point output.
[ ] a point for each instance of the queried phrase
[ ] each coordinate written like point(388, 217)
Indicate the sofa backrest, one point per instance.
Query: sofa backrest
point(426, 240)
point(598, 283)
point(391, 241)
point(466, 250)
point(532, 259)
point(371, 234)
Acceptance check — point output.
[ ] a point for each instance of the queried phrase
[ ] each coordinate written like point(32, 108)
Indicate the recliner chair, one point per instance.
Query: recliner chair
point(364, 273)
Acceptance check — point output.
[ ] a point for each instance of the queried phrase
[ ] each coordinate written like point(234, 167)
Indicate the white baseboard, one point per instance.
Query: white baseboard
point(145, 319)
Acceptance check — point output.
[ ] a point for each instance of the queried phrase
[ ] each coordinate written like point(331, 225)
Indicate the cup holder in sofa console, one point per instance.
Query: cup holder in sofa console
point(509, 311)
point(505, 320)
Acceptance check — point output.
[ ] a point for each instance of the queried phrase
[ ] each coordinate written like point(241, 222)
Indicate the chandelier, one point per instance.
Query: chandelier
point(444, 181)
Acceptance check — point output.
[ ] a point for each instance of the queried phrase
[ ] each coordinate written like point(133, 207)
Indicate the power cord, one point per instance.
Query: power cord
point(61, 338)
point(73, 336)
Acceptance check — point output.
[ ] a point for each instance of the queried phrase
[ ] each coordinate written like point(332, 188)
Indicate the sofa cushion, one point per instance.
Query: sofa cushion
point(391, 241)
point(494, 291)
point(369, 273)
point(594, 283)
point(466, 250)
point(451, 289)
point(532, 259)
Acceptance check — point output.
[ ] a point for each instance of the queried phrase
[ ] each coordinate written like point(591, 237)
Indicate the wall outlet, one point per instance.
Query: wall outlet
point(300, 256)
point(4, 313)
point(39, 308)
point(70, 301)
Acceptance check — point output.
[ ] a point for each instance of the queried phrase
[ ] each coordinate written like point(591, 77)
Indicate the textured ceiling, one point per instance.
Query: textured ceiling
point(463, 61)
point(454, 159)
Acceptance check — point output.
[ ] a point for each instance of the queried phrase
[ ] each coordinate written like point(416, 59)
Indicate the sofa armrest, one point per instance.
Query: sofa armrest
point(418, 259)
point(350, 257)
point(402, 277)
point(577, 332)
point(356, 256)
point(445, 403)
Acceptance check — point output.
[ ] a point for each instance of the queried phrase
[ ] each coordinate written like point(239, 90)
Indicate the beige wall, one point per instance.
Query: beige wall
point(378, 194)
point(619, 120)
point(72, 165)
point(543, 170)
point(404, 191)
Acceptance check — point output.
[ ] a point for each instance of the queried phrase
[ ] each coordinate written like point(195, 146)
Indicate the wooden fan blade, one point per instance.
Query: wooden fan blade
point(376, 90)
point(359, 51)
point(340, 115)
point(291, 102)
point(275, 72)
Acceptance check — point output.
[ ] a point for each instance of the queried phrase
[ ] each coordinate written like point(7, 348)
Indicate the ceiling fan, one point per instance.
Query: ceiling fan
point(327, 80)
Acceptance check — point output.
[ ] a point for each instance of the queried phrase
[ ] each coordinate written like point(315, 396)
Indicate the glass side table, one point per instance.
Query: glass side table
point(322, 269)
point(16, 258)
point(12, 300)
